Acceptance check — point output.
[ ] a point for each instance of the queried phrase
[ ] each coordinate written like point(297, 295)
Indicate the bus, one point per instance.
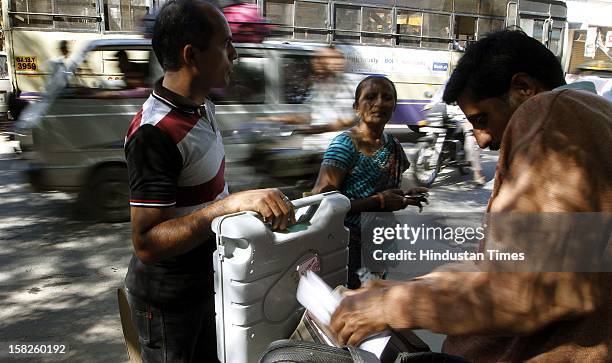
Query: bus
point(33, 30)
point(416, 43)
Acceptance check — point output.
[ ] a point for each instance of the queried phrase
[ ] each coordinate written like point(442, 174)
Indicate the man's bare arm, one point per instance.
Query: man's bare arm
point(158, 235)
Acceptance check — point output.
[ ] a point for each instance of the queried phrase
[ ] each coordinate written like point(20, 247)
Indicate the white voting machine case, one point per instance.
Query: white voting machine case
point(257, 272)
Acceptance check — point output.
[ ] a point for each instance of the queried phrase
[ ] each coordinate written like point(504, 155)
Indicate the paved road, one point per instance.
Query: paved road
point(59, 274)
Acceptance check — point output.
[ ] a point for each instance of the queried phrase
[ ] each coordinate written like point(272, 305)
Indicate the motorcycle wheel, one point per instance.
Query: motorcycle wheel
point(426, 167)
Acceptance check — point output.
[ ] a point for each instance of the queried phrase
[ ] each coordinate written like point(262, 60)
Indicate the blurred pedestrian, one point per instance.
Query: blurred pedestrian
point(175, 160)
point(554, 147)
point(331, 98)
point(58, 66)
point(366, 164)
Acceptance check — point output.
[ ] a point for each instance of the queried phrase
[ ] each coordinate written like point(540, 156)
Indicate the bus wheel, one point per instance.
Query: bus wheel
point(106, 196)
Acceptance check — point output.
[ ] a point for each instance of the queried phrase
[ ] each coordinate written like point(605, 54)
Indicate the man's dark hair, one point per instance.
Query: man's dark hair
point(488, 65)
point(178, 23)
point(63, 47)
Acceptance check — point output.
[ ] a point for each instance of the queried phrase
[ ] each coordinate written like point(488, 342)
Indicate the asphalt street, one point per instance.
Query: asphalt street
point(59, 274)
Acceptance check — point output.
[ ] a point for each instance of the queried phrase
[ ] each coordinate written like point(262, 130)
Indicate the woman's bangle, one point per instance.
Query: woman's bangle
point(381, 200)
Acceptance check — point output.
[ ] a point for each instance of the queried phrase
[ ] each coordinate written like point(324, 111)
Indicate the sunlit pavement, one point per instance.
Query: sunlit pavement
point(59, 274)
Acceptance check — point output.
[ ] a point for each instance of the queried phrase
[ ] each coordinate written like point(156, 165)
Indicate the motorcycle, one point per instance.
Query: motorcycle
point(443, 146)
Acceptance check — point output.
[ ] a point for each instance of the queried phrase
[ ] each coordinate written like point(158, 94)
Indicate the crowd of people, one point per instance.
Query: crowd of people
point(554, 143)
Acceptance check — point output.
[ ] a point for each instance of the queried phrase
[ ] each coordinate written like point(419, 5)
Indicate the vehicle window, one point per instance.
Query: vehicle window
point(413, 25)
point(280, 12)
point(310, 15)
point(298, 77)
point(436, 25)
point(124, 15)
point(489, 25)
point(466, 6)
point(465, 29)
point(493, 7)
point(120, 73)
point(247, 85)
point(445, 5)
point(555, 43)
point(376, 21)
point(55, 14)
point(3, 68)
point(348, 23)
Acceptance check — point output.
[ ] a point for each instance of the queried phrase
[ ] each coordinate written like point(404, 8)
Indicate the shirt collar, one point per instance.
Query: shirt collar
point(177, 101)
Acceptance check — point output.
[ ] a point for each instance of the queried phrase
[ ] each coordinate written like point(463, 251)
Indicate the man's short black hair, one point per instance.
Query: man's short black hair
point(488, 65)
point(178, 23)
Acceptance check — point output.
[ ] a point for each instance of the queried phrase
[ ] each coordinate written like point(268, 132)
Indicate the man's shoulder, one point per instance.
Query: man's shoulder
point(562, 104)
point(150, 114)
point(165, 118)
point(560, 117)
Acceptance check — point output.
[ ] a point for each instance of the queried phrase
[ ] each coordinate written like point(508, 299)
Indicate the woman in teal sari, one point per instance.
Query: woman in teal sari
point(366, 164)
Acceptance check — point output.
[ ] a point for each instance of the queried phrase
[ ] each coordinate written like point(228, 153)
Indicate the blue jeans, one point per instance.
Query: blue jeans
point(182, 334)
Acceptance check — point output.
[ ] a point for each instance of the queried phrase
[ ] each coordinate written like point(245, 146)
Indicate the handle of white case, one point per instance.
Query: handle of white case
point(311, 200)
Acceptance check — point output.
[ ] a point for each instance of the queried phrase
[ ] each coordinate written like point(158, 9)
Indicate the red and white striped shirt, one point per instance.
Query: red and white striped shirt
point(175, 154)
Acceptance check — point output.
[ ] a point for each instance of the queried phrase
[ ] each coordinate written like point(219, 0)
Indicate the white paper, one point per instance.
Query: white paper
point(319, 299)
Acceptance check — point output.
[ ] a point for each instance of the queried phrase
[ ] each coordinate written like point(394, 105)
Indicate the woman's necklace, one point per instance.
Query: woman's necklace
point(373, 149)
point(369, 147)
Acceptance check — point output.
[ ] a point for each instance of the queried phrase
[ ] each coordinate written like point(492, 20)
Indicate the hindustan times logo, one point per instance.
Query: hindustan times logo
point(413, 234)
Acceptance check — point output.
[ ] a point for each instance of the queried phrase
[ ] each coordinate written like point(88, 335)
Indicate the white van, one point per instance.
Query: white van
point(74, 137)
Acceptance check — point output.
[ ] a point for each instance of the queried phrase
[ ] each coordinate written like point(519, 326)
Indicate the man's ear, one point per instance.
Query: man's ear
point(187, 55)
point(523, 87)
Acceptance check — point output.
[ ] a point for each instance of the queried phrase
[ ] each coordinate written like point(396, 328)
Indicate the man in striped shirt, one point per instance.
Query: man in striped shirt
point(176, 167)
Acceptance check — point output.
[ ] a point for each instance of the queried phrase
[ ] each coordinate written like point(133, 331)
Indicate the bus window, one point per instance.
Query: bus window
point(493, 7)
point(75, 14)
point(538, 27)
point(347, 21)
point(29, 20)
point(556, 41)
point(76, 7)
point(466, 6)
point(489, 25)
point(310, 15)
point(465, 29)
point(280, 12)
point(445, 5)
point(427, 25)
point(373, 21)
point(124, 15)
